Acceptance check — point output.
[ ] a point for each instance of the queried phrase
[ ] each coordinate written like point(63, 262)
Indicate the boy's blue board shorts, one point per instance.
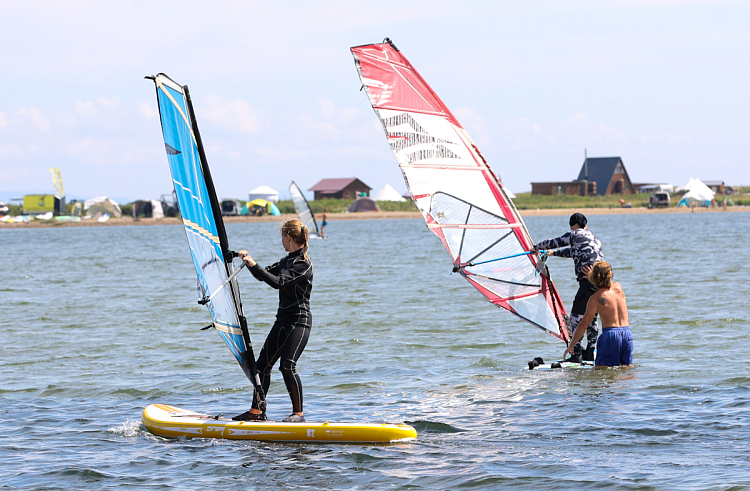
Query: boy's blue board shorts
point(614, 347)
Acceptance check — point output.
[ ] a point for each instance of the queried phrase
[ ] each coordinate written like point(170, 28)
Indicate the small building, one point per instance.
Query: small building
point(652, 187)
point(715, 186)
point(343, 188)
point(608, 173)
point(568, 188)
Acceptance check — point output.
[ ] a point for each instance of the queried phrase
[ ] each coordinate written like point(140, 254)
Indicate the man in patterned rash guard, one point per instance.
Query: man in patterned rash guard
point(585, 249)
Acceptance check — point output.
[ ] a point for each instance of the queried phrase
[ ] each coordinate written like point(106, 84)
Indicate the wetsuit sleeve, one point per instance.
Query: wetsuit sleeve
point(555, 243)
point(290, 277)
point(567, 252)
point(273, 269)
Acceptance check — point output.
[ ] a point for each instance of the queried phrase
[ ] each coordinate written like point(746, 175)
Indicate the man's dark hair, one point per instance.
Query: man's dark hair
point(578, 218)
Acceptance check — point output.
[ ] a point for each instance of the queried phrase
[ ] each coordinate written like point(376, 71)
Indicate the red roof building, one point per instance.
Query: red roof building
point(344, 188)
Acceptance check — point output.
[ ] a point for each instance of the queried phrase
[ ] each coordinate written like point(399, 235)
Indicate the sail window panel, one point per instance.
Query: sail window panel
point(535, 309)
point(503, 290)
point(211, 275)
point(516, 269)
point(453, 237)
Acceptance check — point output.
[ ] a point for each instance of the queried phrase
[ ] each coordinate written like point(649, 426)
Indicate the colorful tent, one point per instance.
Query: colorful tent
point(260, 207)
point(697, 192)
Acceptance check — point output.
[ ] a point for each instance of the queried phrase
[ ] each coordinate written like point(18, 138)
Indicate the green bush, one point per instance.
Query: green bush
point(528, 201)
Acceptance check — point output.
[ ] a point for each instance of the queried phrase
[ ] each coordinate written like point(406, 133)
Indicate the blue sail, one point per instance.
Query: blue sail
point(203, 225)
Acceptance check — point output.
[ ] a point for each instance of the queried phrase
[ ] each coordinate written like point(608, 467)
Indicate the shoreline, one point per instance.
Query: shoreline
point(383, 215)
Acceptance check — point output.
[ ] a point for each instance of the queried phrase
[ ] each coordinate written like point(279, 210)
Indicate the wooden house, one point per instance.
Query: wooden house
point(608, 173)
point(344, 188)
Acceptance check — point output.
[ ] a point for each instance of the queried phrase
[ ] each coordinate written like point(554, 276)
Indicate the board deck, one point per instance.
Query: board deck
point(170, 421)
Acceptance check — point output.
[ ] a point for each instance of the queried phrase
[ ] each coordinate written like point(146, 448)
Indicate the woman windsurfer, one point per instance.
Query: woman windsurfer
point(292, 276)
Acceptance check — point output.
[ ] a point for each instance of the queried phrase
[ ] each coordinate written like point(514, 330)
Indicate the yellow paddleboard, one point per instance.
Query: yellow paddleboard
point(169, 421)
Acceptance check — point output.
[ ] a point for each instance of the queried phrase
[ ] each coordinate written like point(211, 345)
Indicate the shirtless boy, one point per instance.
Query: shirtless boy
point(615, 345)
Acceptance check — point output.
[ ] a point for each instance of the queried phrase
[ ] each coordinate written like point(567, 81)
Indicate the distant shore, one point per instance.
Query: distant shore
point(384, 215)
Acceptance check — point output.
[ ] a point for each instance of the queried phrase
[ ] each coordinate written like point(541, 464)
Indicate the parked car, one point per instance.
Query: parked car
point(660, 200)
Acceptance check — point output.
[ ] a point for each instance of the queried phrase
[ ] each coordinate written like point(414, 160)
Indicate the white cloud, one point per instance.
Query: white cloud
point(148, 110)
point(3, 121)
point(34, 116)
point(320, 127)
point(236, 115)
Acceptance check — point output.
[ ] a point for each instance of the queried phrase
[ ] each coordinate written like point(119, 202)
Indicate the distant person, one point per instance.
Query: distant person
point(615, 346)
point(325, 222)
point(292, 276)
point(585, 249)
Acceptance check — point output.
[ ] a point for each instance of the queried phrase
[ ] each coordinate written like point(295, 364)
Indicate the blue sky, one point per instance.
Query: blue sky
point(661, 83)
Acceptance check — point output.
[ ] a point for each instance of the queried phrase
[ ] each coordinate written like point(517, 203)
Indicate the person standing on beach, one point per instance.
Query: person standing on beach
point(325, 222)
point(292, 276)
point(615, 346)
point(585, 249)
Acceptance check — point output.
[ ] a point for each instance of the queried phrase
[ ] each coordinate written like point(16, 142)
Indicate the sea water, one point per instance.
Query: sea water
point(99, 322)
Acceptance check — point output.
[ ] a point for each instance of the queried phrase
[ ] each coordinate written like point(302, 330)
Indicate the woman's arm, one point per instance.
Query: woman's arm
point(288, 278)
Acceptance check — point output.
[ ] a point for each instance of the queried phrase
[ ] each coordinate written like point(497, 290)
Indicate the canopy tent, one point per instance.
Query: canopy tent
point(264, 192)
point(388, 194)
point(259, 207)
point(697, 192)
point(363, 204)
point(101, 205)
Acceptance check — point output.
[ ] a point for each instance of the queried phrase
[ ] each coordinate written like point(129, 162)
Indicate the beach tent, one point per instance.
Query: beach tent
point(264, 192)
point(260, 207)
point(697, 192)
point(101, 205)
point(388, 194)
point(363, 204)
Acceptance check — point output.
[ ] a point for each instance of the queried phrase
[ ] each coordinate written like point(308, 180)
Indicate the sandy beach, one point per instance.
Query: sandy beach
point(385, 215)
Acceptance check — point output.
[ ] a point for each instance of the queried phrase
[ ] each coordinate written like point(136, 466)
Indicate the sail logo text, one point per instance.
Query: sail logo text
point(400, 140)
point(310, 433)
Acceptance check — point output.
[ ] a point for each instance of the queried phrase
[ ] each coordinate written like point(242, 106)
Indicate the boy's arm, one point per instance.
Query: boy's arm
point(554, 243)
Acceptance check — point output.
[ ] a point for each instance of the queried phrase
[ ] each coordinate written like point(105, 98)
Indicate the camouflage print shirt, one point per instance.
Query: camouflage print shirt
point(585, 248)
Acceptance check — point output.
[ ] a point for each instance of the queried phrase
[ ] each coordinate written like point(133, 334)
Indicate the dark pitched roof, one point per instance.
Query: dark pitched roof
point(601, 170)
point(333, 185)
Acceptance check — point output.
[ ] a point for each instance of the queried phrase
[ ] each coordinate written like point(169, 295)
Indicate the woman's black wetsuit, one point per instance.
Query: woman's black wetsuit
point(292, 276)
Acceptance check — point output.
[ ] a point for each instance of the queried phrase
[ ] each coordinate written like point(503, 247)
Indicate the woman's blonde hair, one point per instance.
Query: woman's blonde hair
point(296, 230)
point(601, 275)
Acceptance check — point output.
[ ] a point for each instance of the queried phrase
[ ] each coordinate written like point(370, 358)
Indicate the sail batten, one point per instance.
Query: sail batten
point(461, 198)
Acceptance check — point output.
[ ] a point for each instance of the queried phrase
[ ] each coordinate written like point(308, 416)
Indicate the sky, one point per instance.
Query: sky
point(661, 83)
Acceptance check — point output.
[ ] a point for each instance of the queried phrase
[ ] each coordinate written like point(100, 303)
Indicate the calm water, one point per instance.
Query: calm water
point(99, 322)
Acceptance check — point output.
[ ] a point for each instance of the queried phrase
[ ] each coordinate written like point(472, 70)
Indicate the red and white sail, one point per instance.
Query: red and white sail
point(461, 199)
